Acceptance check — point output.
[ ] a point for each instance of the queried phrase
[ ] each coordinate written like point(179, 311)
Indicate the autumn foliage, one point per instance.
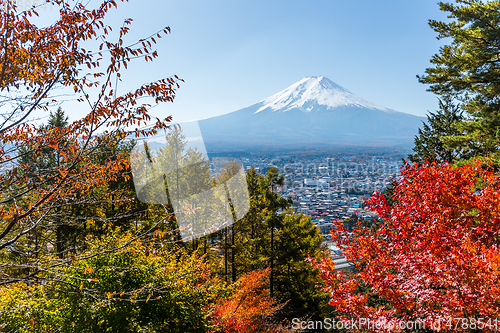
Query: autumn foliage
point(434, 256)
point(138, 288)
point(42, 68)
point(250, 308)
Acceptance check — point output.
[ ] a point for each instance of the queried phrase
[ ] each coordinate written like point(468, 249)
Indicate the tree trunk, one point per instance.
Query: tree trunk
point(271, 277)
point(233, 250)
point(225, 254)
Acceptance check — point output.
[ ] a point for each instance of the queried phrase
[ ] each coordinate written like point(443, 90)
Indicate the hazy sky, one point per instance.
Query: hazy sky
point(234, 53)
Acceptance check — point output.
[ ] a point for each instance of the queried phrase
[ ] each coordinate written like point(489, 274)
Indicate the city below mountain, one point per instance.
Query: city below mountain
point(312, 113)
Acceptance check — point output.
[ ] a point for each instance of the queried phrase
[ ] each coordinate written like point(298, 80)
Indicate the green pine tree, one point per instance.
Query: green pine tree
point(468, 70)
point(272, 235)
point(429, 145)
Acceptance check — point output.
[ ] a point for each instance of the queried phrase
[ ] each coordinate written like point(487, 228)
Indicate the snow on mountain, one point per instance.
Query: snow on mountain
point(311, 91)
point(314, 112)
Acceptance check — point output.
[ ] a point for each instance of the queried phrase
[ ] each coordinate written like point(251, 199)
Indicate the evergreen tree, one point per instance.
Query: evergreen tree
point(67, 224)
point(49, 157)
point(468, 70)
point(273, 236)
point(429, 145)
point(179, 176)
point(43, 163)
point(295, 280)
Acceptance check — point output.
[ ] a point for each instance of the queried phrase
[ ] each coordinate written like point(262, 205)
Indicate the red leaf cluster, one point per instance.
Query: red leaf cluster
point(250, 308)
point(435, 255)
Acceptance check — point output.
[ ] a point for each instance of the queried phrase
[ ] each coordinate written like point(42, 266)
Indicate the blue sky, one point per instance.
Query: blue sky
point(234, 53)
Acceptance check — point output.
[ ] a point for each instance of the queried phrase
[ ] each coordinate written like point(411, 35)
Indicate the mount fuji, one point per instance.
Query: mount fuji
point(312, 113)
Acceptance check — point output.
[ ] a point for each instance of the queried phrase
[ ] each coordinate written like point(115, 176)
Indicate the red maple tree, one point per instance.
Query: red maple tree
point(250, 308)
point(433, 257)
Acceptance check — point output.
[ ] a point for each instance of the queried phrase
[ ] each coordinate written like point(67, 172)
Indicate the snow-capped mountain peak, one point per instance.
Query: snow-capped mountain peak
point(312, 91)
point(314, 113)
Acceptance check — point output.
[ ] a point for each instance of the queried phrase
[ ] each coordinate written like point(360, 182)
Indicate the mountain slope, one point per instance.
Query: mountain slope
point(314, 112)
